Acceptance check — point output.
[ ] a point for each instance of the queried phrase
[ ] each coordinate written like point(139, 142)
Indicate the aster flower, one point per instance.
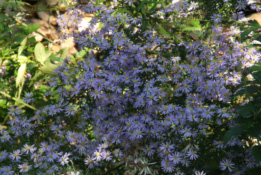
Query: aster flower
point(28, 149)
point(64, 159)
point(167, 165)
point(185, 162)
point(52, 169)
point(149, 150)
point(24, 167)
point(70, 109)
point(16, 155)
point(166, 147)
point(186, 132)
point(6, 170)
point(200, 173)
point(28, 132)
point(91, 162)
point(176, 158)
point(193, 5)
point(98, 155)
point(28, 98)
point(256, 7)
point(192, 154)
point(35, 157)
point(251, 163)
point(73, 173)
point(107, 155)
point(238, 16)
point(3, 155)
point(219, 144)
point(117, 153)
point(241, 4)
point(82, 145)
point(226, 164)
point(216, 18)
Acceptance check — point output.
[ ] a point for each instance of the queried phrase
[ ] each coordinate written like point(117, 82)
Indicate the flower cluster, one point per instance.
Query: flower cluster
point(138, 100)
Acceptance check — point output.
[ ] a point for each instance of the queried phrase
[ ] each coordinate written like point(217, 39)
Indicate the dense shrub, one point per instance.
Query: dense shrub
point(153, 95)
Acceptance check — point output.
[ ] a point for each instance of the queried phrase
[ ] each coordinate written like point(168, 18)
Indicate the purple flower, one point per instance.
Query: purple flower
point(28, 149)
point(24, 167)
point(238, 16)
point(216, 18)
point(16, 155)
point(91, 162)
point(28, 98)
point(3, 155)
point(167, 165)
point(70, 109)
point(176, 158)
point(241, 4)
point(226, 164)
point(200, 173)
point(6, 170)
point(107, 155)
point(64, 159)
point(166, 148)
point(149, 150)
point(192, 154)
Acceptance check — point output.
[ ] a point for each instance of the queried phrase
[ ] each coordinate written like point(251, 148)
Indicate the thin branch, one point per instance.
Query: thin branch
point(15, 58)
point(18, 100)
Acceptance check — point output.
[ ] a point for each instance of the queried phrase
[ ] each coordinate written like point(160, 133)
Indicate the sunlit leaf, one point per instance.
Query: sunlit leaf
point(20, 74)
point(21, 47)
point(39, 52)
point(64, 54)
point(48, 68)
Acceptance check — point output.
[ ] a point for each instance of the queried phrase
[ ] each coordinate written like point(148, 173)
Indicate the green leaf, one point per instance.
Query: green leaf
point(257, 76)
point(64, 54)
point(245, 33)
point(249, 89)
point(20, 74)
point(141, 5)
point(256, 67)
point(48, 68)
point(245, 111)
point(48, 53)
point(233, 132)
point(256, 152)
point(21, 47)
point(39, 52)
point(254, 131)
point(32, 28)
point(254, 24)
point(163, 31)
point(3, 103)
point(195, 25)
point(253, 171)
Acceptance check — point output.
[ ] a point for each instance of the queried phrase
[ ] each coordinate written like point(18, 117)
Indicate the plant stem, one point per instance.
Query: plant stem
point(18, 100)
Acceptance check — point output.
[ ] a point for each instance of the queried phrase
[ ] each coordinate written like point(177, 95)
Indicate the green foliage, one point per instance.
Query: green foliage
point(195, 25)
point(25, 64)
point(233, 132)
point(249, 113)
point(256, 153)
point(209, 8)
point(251, 26)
